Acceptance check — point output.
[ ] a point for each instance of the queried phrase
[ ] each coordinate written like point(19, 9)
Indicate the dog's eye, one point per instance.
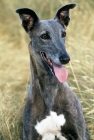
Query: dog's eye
point(64, 34)
point(45, 36)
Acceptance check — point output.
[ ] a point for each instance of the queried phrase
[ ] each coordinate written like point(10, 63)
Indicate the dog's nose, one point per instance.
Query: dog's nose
point(64, 59)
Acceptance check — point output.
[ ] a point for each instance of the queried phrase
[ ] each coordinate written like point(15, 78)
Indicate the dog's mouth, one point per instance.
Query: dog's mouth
point(47, 60)
point(58, 70)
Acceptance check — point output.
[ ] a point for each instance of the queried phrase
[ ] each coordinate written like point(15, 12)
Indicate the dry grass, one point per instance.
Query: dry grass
point(14, 61)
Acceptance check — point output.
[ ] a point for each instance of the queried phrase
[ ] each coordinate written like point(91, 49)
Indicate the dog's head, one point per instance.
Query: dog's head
point(48, 37)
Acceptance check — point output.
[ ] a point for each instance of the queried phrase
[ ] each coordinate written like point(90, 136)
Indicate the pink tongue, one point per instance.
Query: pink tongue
point(61, 73)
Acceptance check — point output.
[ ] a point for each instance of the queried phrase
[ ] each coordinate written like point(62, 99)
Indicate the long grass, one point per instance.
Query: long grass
point(14, 60)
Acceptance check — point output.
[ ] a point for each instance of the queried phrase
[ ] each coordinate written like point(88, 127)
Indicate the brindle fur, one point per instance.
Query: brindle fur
point(46, 93)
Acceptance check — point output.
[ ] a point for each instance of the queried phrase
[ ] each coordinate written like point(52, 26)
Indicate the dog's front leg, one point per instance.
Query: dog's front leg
point(31, 135)
point(34, 111)
point(29, 121)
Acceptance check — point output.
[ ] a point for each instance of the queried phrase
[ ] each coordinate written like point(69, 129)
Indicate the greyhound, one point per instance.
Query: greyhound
point(52, 111)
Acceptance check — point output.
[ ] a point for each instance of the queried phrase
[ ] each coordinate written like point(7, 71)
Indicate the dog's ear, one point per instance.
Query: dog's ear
point(62, 15)
point(29, 18)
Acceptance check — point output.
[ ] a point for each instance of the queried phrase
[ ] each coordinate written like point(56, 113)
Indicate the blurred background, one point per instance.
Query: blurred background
point(14, 60)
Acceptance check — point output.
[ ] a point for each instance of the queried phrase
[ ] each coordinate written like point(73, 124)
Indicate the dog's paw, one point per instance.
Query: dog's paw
point(53, 137)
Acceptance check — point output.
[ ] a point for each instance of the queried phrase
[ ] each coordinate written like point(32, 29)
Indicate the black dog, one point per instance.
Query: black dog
point(49, 96)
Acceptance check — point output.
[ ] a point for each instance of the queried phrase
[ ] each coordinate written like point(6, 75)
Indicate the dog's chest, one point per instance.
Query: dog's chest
point(49, 97)
point(50, 127)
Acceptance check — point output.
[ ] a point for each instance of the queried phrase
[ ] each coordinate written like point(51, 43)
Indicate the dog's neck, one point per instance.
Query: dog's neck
point(44, 81)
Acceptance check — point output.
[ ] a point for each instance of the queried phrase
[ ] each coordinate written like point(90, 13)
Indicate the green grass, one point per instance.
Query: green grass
point(14, 60)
